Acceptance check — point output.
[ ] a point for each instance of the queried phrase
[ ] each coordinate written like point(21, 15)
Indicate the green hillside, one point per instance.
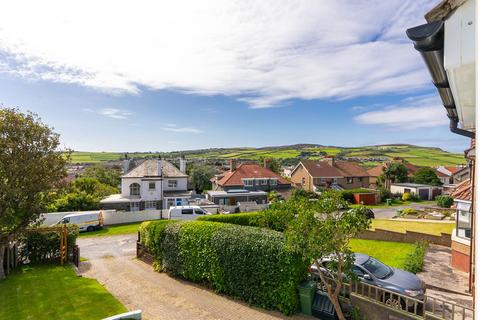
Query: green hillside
point(368, 156)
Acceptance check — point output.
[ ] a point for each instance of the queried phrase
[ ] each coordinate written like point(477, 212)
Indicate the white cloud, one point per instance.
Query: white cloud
point(411, 113)
point(263, 52)
point(174, 128)
point(111, 112)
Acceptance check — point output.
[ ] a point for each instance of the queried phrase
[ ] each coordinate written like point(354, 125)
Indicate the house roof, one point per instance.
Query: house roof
point(378, 170)
point(249, 170)
point(463, 191)
point(440, 174)
point(149, 169)
point(339, 169)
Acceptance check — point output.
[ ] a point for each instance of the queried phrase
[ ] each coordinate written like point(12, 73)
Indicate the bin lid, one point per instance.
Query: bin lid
point(322, 305)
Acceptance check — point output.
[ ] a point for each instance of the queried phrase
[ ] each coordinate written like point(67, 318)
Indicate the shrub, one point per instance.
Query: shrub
point(246, 262)
point(242, 219)
point(414, 260)
point(409, 211)
point(407, 196)
point(444, 201)
point(384, 194)
point(44, 247)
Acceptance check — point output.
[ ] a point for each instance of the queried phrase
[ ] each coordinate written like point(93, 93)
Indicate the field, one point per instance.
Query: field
point(54, 292)
point(368, 156)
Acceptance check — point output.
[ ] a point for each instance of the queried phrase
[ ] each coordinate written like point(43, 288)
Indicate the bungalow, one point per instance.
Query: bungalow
point(152, 185)
point(330, 173)
point(251, 177)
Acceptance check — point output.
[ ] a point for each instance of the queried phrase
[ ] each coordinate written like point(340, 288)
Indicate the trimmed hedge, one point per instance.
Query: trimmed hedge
point(44, 247)
point(243, 219)
point(245, 262)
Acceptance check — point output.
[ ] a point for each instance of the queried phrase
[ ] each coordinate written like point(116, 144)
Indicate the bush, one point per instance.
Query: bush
point(44, 247)
point(246, 262)
point(242, 219)
point(384, 194)
point(409, 211)
point(407, 196)
point(444, 201)
point(414, 260)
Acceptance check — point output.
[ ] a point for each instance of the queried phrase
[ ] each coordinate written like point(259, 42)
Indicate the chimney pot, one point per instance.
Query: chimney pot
point(330, 160)
point(233, 165)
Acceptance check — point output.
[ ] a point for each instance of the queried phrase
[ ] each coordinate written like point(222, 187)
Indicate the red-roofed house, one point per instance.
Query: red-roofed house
point(310, 174)
point(251, 177)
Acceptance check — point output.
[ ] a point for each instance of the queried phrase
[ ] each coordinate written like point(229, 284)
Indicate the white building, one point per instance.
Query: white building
point(152, 185)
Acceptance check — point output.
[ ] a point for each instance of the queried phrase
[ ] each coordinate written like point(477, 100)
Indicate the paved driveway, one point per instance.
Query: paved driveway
point(111, 260)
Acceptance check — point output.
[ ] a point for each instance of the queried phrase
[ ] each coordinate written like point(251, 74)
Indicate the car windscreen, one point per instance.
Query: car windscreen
point(378, 269)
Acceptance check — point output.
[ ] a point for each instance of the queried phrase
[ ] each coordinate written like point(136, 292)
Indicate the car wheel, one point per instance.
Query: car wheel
point(90, 229)
point(394, 301)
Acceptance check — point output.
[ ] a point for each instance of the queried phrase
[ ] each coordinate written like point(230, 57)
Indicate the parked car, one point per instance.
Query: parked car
point(86, 221)
point(186, 212)
point(373, 272)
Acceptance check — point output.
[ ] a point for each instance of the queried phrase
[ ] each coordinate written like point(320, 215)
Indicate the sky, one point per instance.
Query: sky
point(182, 75)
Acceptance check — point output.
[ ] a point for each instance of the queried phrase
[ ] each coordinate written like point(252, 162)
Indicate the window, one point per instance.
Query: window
point(151, 186)
point(349, 180)
point(273, 182)
point(262, 182)
point(248, 182)
point(172, 183)
point(360, 179)
point(464, 229)
point(335, 180)
point(322, 180)
point(359, 272)
point(134, 206)
point(377, 268)
point(303, 181)
point(149, 205)
point(199, 211)
point(187, 211)
point(134, 189)
point(170, 202)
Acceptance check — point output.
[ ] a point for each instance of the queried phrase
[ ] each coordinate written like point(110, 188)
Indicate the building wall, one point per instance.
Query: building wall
point(301, 174)
point(364, 183)
point(145, 193)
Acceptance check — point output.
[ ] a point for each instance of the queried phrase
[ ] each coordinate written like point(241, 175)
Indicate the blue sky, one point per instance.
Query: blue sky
point(222, 74)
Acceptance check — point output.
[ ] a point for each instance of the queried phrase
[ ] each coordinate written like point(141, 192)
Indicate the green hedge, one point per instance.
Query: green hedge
point(245, 262)
point(414, 260)
point(44, 247)
point(242, 219)
point(444, 201)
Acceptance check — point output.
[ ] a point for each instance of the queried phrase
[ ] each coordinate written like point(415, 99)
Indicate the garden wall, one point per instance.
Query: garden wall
point(410, 236)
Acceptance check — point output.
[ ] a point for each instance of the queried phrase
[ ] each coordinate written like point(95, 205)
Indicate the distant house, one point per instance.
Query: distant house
point(455, 174)
point(462, 234)
point(377, 171)
point(152, 185)
point(329, 173)
point(251, 177)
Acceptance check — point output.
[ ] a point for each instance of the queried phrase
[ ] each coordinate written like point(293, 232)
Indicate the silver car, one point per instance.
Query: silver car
point(371, 271)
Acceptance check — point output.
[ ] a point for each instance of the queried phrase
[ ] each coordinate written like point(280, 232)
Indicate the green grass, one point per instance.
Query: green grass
point(393, 254)
point(113, 230)
point(423, 227)
point(54, 292)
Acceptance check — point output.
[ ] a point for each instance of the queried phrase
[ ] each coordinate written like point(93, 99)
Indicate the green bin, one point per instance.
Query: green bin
point(389, 202)
point(306, 291)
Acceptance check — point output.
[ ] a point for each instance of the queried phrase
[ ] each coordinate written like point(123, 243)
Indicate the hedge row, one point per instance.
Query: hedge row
point(245, 262)
point(243, 219)
point(44, 247)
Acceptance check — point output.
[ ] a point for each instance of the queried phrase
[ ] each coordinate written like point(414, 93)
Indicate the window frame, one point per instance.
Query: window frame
point(248, 182)
point(134, 186)
point(172, 183)
point(150, 186)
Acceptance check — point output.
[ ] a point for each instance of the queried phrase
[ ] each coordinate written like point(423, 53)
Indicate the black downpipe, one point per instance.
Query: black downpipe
point(455, 129)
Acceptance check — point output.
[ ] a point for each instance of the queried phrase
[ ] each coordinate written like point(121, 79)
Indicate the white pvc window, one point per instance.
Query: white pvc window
point(172, 183)
point(248, 182)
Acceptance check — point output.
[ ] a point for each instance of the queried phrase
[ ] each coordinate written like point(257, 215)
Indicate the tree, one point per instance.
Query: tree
point(199, 177)
point(109, 176)
point(323, 230)
point(394, 172)
point(426, 176)
point(75, 201)
point(31, 165)
point(93, 187)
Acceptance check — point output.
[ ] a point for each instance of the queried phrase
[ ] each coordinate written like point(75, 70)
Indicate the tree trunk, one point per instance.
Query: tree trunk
point(2, 254)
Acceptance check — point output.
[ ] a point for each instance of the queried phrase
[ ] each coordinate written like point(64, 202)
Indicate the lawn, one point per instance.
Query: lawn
point(113, 230)
point(393, 254)
point(54, 292)
point(424, 227)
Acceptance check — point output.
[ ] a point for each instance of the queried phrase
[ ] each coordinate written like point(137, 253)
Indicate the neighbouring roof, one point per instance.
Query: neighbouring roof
point(440, 174)
point(338, 170)
point(463, 191)
point(378, 170)
point(230, 194)
point(412, 185)
point(149, 169)
point(246, 171)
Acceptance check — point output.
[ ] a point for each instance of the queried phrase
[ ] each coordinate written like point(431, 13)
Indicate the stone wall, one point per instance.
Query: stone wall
point(409, 236)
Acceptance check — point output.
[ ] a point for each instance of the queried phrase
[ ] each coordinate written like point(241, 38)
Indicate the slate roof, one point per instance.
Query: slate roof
point(463, 191)
point(249, 170)
point(149, 169)
point(339, 169)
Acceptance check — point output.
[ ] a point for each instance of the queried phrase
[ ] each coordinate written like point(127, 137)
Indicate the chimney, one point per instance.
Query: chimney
point(233, 165)
point(159, 166)
point(183, 164)
point(125, 164)
point(330, 160)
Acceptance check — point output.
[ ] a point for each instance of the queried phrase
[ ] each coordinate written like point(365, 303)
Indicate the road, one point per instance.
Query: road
point(111, 260)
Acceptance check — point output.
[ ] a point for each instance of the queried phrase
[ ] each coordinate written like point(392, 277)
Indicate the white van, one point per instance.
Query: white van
point(186, 212)
point(86, 221)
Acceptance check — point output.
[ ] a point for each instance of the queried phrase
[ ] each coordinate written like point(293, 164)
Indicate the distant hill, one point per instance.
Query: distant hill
point(291, 154)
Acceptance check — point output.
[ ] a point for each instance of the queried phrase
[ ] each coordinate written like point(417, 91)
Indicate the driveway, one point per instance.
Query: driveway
point(111, 260)
point(390, 212)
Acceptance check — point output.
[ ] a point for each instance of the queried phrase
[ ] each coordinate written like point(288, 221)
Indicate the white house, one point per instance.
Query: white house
point(153, 185)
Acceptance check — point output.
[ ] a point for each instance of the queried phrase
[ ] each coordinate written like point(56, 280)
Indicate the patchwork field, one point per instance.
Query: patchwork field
point(369, 155)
